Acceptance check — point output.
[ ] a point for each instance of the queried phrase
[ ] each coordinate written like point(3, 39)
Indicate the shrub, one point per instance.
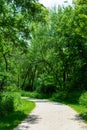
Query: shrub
point(34, 94)
point(9, 102)
point(59, 96)
point(73, 96)
point(84, 115)
point(49, 89)
point(25, 93)
point(11, 88)
point(45, 84)
point(29, 94)
point(83, 99)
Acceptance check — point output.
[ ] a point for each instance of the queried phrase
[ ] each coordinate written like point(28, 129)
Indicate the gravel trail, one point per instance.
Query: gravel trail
point(52, 116)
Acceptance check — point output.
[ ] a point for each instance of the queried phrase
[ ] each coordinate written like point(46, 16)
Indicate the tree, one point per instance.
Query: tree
point(62, 44)
point(16, 28)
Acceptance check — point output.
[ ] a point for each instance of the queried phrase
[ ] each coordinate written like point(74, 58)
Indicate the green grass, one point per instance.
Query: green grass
point(81, 110)
point(13, 119)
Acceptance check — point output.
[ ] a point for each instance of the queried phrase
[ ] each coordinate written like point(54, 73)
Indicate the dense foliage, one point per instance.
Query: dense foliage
point(11, 120)
point(16, 25)
point(44, 52)
point(9, 102)
point(58, 52)
point(41, 50)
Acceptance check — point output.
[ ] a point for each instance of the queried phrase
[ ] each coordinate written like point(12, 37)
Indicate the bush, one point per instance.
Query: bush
point(84, 115)
point(29, 94)
point(11, 88)
point(73, 96)
point(25, 93)
point(59, 96)
point(83, 99)
point(8, 102)
point(45, 84)
point(46, 89)
point(34, 94)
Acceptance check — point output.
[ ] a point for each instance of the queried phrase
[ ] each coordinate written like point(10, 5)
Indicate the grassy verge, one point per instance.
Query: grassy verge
point(77, 100)
point(13, 119)
point(81, 110)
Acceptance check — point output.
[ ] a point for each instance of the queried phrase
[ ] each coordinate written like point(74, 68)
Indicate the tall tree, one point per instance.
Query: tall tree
point(16, 19)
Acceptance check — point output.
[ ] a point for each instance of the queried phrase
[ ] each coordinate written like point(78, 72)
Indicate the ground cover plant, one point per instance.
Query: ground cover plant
point(9, 102)
point(11, 120)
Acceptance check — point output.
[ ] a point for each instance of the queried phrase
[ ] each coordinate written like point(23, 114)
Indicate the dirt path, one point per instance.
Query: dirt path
point(52, 116)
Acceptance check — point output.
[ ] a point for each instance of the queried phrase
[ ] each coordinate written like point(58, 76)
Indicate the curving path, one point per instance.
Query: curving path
point(52, 116)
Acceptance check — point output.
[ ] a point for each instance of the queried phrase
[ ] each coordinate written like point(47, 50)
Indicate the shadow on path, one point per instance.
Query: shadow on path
point(50, 115)
point(31, 119)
